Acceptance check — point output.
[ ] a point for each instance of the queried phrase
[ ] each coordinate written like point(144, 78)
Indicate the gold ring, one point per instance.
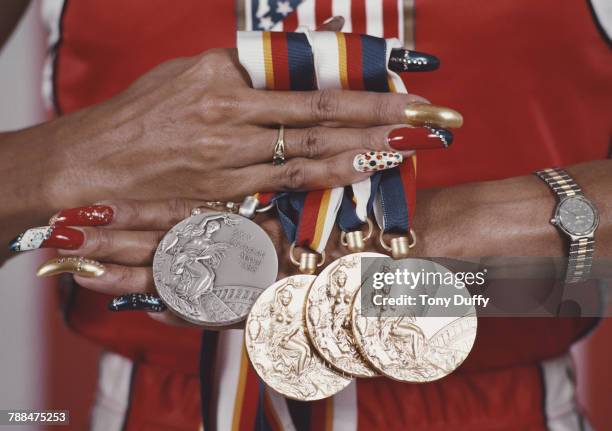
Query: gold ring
point(279, 148)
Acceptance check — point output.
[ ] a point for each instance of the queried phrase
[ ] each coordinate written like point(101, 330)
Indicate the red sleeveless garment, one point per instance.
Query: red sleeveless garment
point(532, 80)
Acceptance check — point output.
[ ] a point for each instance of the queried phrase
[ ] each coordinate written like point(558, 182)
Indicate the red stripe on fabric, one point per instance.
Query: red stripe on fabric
point(249, 403)
point(265, 198)
point(408, 177)
point(291, 22)
point(390, 18)
point(354, 62)
point(308, 218)
point(317, 415)
point(323, 11)
point(280, 61)
point(358, 16)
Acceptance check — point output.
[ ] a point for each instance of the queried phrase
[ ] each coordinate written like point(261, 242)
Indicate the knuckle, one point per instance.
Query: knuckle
point(124, 278)
point(371, 140)
point(311, 145)
point(178, 209)
point(382, 108)
point(209, 61)
point(99, 242)
point(221, 107)
point(324, 105)
point(294, 176)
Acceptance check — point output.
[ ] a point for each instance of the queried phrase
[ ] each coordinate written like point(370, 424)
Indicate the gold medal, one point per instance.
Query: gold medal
point(413, 349)
point(328, 315)
point(279, 349)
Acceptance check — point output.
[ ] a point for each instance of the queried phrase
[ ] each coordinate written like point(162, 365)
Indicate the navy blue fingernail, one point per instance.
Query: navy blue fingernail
point(446, 136)
point(137, 302)
point(404, 60)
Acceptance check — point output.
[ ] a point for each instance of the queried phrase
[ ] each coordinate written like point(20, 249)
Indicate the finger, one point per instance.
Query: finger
point(334, 23)
point(314, 142)
point(152, 305)
point(337, 108)
point(306, 174)
point(128, 214)
point(133, 248)
point(119, 280)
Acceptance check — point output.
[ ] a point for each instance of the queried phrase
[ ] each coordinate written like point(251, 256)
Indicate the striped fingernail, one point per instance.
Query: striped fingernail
point(48, 237)
point(376, 161)
point(137, 302)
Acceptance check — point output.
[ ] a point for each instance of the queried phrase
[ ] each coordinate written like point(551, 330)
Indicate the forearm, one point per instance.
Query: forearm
point(509, 217)
point(26, 168)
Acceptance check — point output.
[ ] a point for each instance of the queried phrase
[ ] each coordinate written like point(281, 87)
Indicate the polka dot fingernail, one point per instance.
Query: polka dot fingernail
point(376, 161)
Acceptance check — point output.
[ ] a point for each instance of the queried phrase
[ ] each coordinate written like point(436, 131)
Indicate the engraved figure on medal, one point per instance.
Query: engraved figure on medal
point(328, 322)
point(278, 346)
point(413, 348)
point(210, 268)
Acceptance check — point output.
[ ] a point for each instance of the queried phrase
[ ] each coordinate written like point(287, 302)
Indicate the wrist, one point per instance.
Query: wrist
point(493, 218)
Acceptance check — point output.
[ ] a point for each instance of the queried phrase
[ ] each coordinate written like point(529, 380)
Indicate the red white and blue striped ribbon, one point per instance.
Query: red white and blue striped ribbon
point(241, 401)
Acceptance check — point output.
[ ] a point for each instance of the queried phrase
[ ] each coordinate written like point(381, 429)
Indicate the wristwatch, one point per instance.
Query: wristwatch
point(577, 218)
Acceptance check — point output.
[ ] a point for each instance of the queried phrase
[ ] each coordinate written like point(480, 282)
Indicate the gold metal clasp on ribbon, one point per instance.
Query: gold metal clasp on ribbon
point(355, 241)
point(400, 246)
point(307, 264)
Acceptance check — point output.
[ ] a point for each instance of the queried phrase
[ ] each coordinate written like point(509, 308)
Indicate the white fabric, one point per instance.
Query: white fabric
point(560, 406)
point(113, 393)
point(374, 18)
point(279, 404)
point(345, 408)
point(603, 11)
point(251, 56)
point(326, 58)
point(51, 12)
point(225, 387)
point(343, 8)
point(306, 14)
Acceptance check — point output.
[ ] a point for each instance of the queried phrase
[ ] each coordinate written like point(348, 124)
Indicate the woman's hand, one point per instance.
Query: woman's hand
point(119, 239)
point(193, 128)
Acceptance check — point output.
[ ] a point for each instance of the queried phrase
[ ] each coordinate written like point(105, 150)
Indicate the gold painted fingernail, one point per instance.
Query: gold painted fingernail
point(73, 265)
point(423, 114)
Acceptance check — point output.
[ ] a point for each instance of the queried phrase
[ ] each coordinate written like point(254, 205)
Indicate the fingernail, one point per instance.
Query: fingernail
point(330, 19)
point(91, 215)
point(376, 161)
point(423, 114)
point(48, 237)
point(419, 138)
point(404, 60)
point(73, 265)
point(137, 302)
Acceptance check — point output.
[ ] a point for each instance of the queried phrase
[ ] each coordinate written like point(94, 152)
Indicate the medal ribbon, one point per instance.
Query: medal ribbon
point(309, 61)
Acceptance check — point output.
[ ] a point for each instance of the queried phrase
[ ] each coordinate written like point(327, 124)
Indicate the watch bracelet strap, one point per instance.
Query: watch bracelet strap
point(580, 260)
point(561, 183)
point(580, 250)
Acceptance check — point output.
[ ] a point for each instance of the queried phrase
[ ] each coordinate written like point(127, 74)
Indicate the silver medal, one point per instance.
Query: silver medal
point(210, 268)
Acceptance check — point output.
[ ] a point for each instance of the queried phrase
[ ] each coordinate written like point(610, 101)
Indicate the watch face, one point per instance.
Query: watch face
point(577, 216)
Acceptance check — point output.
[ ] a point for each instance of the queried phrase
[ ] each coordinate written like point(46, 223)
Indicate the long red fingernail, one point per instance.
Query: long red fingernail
point(92, 215)
point(48, 237)
point(419, 138)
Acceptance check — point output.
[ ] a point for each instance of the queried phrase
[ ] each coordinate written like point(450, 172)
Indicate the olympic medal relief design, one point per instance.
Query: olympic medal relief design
point(328, 317)
point(211, 267)
point(279, 349)
point(416, 346)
